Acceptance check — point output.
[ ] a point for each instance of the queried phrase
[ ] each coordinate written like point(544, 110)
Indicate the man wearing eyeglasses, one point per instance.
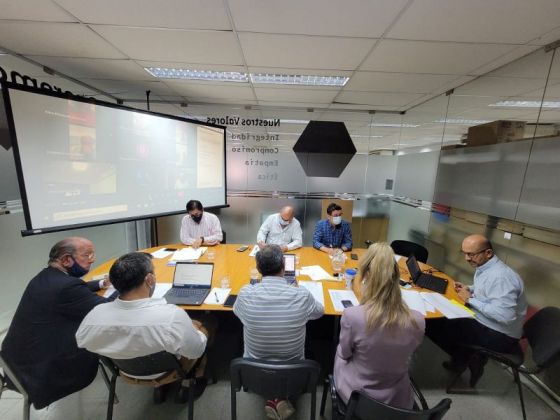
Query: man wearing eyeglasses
point(40, 345)
point(497, 298)
point(281, 229)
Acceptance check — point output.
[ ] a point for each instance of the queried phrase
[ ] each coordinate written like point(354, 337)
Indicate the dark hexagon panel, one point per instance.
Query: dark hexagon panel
point(324, 148)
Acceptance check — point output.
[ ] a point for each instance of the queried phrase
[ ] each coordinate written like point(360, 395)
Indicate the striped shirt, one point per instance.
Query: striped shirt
point(274, 315)
point(209, 228)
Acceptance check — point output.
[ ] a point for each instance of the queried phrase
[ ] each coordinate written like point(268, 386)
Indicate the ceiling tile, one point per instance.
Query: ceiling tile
point(179, 14)
point(279, 94)
point(96, 68)
point(316, 17)
point(499, 86)
point(431, 57)
point(308, 52)
point(38, 10)
point(376, 98)
point(495, 21)
point(397, 82)
point(55, 39)
point(217, 47)
point(230, 92)
point(121, 88)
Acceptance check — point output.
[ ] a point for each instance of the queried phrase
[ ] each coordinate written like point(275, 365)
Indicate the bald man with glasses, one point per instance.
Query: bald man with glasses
point(497, 298)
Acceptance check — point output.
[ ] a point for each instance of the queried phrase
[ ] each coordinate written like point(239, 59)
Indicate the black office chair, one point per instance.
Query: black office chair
point(407, 248)
point(150, 365)
point(339, 409)
point(274, 379)
point(10, 381)
point(543, 334)
point(223, 237)
point(363, 407)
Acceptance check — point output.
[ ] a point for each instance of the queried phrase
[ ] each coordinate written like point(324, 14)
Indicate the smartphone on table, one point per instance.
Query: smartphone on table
point(230, 300)
point(242, 248)
point(347, 303)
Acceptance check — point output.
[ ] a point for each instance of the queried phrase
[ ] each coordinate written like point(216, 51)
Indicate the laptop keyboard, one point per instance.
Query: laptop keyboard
point(188, 292)
point(432, 283)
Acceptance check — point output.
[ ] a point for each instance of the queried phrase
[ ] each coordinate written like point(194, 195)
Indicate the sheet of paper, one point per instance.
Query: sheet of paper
point(316, 272)
point(109, 291)
point(397, 258)
point(254, 251)
point(445, 306)
point(188, 254)
point(161, 289)
point(217, 296)
point(316, 290)
point(337, 296)
point(414, 300)
point(161, 253)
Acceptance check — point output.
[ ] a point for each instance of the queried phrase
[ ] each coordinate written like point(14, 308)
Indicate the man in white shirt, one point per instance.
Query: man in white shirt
point(200, 228)
point(135, 325)
point(281, 229)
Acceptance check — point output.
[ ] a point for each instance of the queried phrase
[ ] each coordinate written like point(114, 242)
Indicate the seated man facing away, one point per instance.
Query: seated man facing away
point(200, 228)
point(274, 315)
point(333, 233)
point(136, 325)
point(281, 229)
point(498, 299)
point(40, 345)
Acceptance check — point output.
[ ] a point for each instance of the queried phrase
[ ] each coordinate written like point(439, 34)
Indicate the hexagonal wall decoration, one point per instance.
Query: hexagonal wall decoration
point(324, 148)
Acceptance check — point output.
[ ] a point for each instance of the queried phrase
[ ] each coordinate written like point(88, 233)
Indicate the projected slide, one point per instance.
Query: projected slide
point(88, 163)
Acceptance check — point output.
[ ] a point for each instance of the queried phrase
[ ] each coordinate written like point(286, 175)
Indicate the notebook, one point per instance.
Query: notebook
point(427, 281)
point(192, 282)
point(290, 268)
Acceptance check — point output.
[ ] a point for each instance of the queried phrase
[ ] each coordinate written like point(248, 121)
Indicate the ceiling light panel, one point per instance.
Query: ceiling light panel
point(205, 75)
point(527, 104)
point(298, 79)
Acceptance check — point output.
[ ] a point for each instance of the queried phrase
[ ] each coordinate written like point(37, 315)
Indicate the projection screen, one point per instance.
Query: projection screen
point(82, 162)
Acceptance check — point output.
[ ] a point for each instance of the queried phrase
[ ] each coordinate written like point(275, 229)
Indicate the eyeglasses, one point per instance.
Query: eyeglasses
point(473, 254)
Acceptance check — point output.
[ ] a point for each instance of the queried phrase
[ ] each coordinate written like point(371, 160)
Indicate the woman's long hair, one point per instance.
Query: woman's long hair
point(381, 295)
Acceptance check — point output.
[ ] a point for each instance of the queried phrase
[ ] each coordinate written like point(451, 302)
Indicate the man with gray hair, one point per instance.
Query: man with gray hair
point(40, 345)
point(274, 315)
point(281, 229)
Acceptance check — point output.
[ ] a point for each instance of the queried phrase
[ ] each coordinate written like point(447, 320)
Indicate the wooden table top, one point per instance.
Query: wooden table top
point(237, 266)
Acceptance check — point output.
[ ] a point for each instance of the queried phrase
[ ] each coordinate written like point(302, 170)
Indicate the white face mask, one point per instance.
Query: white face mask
point(284, 222)
point(336, 220)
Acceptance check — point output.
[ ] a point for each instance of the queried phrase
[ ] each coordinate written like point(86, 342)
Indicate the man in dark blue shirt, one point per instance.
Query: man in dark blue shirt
point(333, 233)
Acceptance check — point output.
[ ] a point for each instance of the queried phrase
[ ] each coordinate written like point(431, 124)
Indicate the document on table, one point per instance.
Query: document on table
point(397, 258)
point(337, 296)
point(316, 290)
point(414, 301)
point(161, 289)
point(188, 254)
point(316, 272)
point(254, 251)
point(217, 296)
point(161, 253)
point(446, 307)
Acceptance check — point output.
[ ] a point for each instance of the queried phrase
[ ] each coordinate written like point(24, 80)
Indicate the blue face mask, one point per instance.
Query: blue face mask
point(77, 270)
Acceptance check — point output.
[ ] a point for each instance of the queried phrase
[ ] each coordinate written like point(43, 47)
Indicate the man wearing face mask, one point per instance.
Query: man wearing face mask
point(135, 325)
point(40, 345)
point(333, 233)
point(281, 229)
point(200, 228)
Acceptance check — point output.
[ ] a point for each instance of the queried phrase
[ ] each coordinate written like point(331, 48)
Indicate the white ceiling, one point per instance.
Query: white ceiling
point(400, 55)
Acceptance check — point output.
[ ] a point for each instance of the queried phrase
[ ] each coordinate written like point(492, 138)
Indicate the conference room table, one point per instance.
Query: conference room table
point(237, 266)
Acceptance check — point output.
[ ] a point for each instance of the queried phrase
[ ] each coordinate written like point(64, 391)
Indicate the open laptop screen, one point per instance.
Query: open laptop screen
point(193, 274)
point(413, 267)
point(289, 263)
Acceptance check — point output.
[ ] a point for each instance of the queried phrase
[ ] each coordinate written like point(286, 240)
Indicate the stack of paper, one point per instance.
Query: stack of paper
point(316, 290)
point(161, 253)
point(337, 296)
point(316, 272)
point(414, 301)
point(450, 309)
point(217, 296)
point(254, 251)
point(187, 254)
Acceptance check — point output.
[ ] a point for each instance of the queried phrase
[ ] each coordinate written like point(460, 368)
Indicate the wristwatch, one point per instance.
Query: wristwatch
point(202, 239)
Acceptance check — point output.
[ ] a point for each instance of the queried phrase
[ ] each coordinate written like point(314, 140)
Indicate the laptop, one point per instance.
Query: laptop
point(192, 282)
point(427, 281)
point(290, 268)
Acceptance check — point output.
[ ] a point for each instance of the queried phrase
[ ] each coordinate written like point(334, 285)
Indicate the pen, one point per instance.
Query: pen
point(216, 294)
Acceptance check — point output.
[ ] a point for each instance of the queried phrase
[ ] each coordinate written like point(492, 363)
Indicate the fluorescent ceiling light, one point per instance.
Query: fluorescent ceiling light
point(294, 121)
point(462, 121)
point(394, 125)
point(527, 104)
point(257, 78)
point(298, 79)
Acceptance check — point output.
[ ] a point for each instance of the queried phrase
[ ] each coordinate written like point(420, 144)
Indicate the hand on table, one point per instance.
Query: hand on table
point(196, 244)
point(463, 293)
point(106, 283)
point(198, 325)
point(261, 244)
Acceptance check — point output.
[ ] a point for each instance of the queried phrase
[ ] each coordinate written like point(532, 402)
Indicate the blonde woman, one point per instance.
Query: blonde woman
point(378, 337)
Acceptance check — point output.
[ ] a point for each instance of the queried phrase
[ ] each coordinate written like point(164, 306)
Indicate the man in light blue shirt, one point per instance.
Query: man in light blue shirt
point(497, 298)
point(281, 229)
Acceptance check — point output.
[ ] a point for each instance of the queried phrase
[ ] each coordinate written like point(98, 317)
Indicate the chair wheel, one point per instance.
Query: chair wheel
point(159, 395)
